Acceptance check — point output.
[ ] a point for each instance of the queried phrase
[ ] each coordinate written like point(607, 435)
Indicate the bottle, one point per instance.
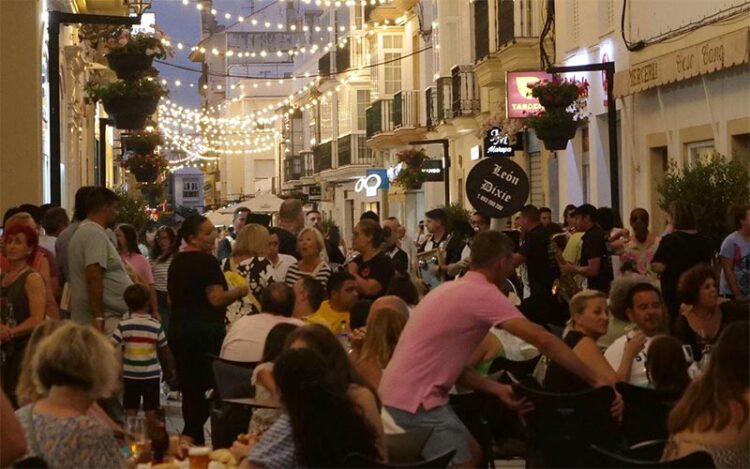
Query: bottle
point(343, 335)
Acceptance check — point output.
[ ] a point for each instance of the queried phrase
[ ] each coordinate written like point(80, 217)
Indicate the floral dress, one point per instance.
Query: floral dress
point(259, 273)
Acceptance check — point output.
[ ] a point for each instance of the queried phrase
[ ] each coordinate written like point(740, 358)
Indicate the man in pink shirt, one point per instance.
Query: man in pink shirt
point(440, 336)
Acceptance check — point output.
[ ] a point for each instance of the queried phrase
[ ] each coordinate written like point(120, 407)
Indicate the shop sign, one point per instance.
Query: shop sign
point(497, 187)
point(433, 170)
point(520, 103)
point(314, 191)
point(369, 184)
point(496, 143)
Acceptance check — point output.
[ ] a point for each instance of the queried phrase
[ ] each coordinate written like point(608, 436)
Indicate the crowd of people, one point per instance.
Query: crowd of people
point(358, 341)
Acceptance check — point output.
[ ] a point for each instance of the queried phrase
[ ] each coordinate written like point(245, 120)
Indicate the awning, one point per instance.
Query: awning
point(706, 57)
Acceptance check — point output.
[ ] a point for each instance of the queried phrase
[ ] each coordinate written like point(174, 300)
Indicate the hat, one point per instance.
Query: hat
point(585, 209)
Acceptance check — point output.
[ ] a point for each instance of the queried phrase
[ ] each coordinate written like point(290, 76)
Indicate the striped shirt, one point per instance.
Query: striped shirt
point(321, 274)
point(159, 271)
point(140, 335)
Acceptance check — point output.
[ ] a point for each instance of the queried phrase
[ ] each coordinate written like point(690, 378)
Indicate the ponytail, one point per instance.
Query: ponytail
point(189, 228)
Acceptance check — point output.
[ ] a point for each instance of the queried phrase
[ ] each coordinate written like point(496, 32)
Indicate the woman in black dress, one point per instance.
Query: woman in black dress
point(372, 269)
point(199, 297)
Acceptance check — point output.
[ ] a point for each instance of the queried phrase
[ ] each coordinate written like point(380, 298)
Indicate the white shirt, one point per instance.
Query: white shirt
point(281, 267)
point(638, 375)
point(246, 338)
point(48, 242)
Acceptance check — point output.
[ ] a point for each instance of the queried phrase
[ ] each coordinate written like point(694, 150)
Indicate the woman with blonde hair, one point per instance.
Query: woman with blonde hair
point(589, 321)
point(249, 260)
point(378, 340)
point(310, 244)
point(714, 413)
point(74, 366)
point(26, 391)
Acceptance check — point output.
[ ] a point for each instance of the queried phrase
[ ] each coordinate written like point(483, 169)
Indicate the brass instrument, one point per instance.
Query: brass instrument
point(565, 287)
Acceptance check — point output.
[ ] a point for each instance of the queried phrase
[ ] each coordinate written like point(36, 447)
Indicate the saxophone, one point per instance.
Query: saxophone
point(565, 287)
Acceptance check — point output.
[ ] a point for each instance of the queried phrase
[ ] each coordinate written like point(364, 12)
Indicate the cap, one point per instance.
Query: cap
point(585, 209)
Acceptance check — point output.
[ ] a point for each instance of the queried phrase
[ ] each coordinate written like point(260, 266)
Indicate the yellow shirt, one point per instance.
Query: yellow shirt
point(329, 317)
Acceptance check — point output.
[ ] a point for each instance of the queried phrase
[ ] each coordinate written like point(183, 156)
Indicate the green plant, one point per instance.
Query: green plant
point(134, 162)
point(119, 89)
point(410, 177)
point(132, 209)
point(123, 41)
point(710, 186)
point(145, 136)
point(553, 122)
point(558, 93)
point(412, 157)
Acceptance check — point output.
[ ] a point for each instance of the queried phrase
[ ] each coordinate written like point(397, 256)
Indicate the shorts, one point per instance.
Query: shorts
point(135, 389)
point(448, 433)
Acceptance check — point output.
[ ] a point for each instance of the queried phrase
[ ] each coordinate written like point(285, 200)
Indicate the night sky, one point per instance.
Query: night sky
point(182, 24)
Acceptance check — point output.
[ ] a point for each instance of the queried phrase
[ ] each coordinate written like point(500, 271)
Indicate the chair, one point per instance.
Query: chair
point(407, 447)
point(646, 412)
point(523, 368)
point(470, 408)
point(563, 426)
point(357, 460)
point(232, 378)
point(231, 381)
point(609, 458)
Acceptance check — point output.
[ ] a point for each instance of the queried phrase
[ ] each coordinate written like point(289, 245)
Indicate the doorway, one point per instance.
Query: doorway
point(659, 160)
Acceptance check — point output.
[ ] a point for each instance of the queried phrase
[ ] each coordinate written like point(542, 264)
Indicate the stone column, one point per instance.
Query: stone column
point(21, 160)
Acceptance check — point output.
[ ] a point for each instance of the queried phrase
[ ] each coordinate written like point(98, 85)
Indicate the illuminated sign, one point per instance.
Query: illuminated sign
point(520, 103)
point(496, 143)
point(374, 180)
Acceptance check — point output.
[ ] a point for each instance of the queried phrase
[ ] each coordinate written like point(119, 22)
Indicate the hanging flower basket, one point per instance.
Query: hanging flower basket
point(558, 94)
point(131, 113)
point(145, 168)
point(142, 142)
point(130, 66)
point(554, 127)
point(410, 176)
point(129, 103)
point(145, 174)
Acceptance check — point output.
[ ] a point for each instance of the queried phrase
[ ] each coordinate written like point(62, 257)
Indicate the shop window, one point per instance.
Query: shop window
point(699, 151)
point(659, 166)
point(585, 166)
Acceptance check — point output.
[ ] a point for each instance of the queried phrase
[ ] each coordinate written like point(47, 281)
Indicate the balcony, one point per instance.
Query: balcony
point(353, 150)
point(380, 124)
point(406, 121)
point(454, 102)
point(381, 12)
point(516, 37)
point(292, 168)
point(464, 91)
point(323, 156)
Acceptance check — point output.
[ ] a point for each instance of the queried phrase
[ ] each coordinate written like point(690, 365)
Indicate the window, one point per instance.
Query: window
point(392, 44)
point(392, 73)
point(700, 151)
point(326, 121)
point(190, 188)
point(585, 165)
point(363, 102)
point(344, 114)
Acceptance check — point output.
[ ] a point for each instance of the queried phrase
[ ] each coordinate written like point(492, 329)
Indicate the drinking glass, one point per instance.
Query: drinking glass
point(136, 435)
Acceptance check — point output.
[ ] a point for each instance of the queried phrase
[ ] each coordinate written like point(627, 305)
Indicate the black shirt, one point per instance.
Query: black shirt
point(594, 244)
point(559, 379)
point(335, 256)
point(698, 344)
point(190, 273)
point(288, 243)
point(679, 251)
point(400, 259)
point(379, 268)
point(535, 249)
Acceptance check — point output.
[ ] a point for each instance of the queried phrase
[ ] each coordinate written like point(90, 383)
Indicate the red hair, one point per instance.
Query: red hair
point(32, 237)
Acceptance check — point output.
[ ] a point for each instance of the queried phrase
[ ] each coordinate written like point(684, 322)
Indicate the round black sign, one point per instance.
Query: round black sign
point(497, 187)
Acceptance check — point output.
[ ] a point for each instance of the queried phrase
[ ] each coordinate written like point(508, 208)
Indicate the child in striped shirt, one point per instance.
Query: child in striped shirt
point(142, 340)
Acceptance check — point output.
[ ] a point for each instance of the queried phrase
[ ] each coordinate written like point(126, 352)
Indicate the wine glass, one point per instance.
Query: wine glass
point(136, 435)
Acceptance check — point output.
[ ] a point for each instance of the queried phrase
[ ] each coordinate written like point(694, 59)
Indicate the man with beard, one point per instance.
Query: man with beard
point(98, 277)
